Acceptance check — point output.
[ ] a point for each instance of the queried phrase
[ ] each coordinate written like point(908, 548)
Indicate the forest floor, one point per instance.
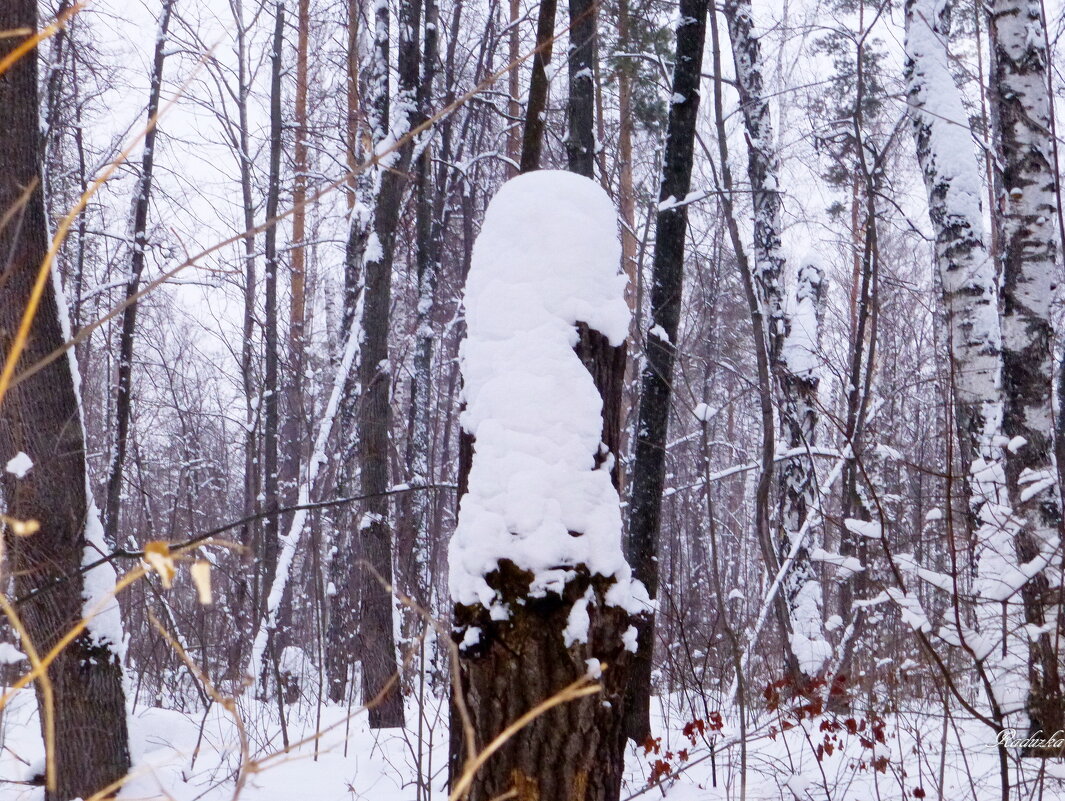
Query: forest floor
point(194, 757)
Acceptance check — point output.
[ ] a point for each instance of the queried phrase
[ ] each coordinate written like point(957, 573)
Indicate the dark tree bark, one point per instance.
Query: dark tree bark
point(573, 752)
point(415, 539)
point(862, 365)
point(667, 284)
point(375, 380)
point(605, 362)
point(580, 141)
point(113, 502)
point(41, 416)
point(248, 587)
point(1027, 222)
point(532, 140)
point(513, 89)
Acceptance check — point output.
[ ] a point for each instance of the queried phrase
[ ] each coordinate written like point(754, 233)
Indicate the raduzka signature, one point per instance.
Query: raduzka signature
point(1010, 739)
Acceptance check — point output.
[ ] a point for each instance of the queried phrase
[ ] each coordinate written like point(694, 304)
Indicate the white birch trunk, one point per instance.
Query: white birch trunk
point(1028, 237)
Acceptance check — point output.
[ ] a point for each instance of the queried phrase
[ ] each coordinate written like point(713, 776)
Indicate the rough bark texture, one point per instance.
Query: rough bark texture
point(605, 362)
point(414, 540)
point(667, 283)
point(762, 168)
point(375, 380)
point(969, 284)
point(139, 230)
point(966, 269)
point(573, 752)
point(580, 140)
point(1027, 222)
point(798, 480)
point(41, 417)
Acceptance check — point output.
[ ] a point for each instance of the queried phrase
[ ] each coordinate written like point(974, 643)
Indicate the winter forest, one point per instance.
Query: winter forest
point(432, 400)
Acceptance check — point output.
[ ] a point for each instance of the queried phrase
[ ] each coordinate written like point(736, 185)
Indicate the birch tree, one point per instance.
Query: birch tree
point(967, 275)
point(791, 346)
point(1027, 220)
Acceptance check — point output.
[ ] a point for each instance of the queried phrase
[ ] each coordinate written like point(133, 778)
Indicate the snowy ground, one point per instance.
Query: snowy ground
point(194, 757)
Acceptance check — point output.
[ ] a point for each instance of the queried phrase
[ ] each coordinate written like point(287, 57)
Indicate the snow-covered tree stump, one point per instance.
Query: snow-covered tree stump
point(543, 594)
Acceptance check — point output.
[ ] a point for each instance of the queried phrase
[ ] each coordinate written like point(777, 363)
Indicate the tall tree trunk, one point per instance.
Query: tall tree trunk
point(41, 417)
point(1027, 219)
point(252, 477)
point(268, 564)
point(799, 381)
point(271, 543)
point(969, 284)
point(667, 286)
point(605, 362)
point(513, 88)
point(626, 195)
point(139, 238)
point(293, 429)
point(416, 538)
point(532, 140)
point(580, 140)
point(799, 606)
point(341, 641)
point(379, 666)
point(966, 269)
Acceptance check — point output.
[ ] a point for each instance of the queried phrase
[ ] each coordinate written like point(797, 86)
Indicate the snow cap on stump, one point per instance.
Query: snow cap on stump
point(546, 259)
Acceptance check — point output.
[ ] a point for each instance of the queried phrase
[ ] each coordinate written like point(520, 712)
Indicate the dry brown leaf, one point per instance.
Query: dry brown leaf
point(157, 555)
point(201, 577)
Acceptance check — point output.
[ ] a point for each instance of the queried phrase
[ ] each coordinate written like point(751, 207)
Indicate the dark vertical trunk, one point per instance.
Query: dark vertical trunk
point(605, 362)
point(667, 285)
point(139, 236)
point(861, 368)
point(268, 564)
point(270, 403)
point(532, 140)
point(42, 417)
point(252, 477)
point(580, 142)
point(513, 87)
point(379, 665)
point(415, 539)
